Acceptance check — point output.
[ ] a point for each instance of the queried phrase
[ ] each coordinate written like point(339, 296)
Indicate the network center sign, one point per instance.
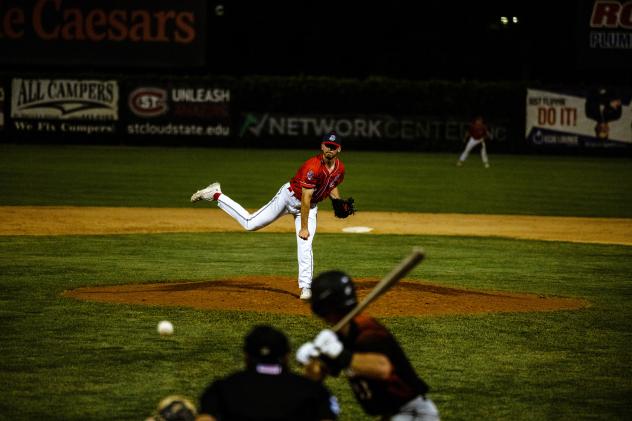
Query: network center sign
point(357, 127)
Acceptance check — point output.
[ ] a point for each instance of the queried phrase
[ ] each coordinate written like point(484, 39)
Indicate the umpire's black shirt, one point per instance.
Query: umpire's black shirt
point(268, 392)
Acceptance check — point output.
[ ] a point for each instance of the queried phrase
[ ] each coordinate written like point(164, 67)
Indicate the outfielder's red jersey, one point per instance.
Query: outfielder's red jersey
point(382, 397)
point(314, 174)
point(477, 130)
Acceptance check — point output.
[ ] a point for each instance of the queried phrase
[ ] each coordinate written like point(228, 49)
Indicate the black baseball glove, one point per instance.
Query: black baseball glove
point(342, 207)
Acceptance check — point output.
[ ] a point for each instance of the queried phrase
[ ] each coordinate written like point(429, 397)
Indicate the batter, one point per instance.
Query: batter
point(317, 179)
point(382, 378)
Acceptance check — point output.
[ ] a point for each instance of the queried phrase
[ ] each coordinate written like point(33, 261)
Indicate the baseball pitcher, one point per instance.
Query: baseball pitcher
point(317, 179)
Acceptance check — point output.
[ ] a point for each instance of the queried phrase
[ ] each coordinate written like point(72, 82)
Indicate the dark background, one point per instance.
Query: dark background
point(404, 39)
point(407, 39)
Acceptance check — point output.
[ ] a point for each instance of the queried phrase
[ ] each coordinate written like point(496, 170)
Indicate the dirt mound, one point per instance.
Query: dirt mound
point(280, 295)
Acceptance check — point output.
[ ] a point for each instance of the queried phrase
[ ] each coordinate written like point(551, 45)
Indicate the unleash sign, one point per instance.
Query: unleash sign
point(598, 117)
point(163, 108)
point(105, 32)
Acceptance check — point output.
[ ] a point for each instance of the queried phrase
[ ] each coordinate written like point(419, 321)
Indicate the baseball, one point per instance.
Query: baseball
point(165, 328)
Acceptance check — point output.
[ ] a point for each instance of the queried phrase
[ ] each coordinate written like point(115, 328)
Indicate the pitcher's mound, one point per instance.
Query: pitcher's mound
point(280, 295)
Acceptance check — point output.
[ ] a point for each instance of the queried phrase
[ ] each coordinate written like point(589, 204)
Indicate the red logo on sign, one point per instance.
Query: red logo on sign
point(611, 14)
point(148, 102)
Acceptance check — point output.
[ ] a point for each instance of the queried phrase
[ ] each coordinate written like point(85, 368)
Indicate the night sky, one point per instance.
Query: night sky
point(403, 39)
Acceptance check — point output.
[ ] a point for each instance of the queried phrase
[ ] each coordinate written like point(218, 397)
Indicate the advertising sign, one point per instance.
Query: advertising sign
point(156, 33)
point(78, 106)
point(363, 127)
point(605, 34)
point(192, 108)
point(595, 117)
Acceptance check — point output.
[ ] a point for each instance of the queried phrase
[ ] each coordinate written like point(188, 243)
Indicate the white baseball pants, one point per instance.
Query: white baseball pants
point(470, 145)
point(283, 203)
point(419, 409)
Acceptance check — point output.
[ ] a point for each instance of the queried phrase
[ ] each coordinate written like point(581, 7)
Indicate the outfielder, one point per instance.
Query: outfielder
point(383, 380)
point(475, 135)
point(317, 179)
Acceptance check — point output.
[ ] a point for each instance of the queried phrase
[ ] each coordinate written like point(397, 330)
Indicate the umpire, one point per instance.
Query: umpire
point(382, 378)
point(266, 389)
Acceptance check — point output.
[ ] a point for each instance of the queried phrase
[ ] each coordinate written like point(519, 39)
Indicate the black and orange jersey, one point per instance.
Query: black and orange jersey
point(382, 397)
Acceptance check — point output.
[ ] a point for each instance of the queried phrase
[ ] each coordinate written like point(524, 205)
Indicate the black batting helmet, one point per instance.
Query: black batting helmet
point(333, 292)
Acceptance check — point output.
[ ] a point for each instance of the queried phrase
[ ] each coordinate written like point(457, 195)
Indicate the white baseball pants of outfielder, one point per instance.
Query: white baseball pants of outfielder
point(471, 143)
point(283, 203)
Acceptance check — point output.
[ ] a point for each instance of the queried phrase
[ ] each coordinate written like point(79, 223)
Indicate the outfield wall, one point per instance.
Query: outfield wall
point(376, 113)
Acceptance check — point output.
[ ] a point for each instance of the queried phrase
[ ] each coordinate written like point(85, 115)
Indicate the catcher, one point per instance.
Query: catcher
point(317, 179)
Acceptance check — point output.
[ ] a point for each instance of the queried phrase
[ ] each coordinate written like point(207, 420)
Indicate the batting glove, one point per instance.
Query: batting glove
point(306, 353)
point(328, 343)
point(332, 352)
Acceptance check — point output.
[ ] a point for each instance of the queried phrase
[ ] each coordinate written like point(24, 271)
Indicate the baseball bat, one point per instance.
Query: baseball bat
point(384, 285)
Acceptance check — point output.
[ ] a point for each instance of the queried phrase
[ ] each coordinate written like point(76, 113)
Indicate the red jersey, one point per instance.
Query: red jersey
point(477, 130)
point(314, 174)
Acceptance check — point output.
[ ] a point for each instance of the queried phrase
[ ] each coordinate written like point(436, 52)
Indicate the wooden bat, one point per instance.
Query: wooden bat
point(384, 285)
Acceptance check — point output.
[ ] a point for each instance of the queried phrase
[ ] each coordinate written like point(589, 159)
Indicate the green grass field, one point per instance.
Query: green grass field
point(72, 360)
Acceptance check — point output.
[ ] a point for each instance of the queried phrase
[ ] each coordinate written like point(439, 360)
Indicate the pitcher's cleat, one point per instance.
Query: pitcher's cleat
point(306, 294)
point(209, 193)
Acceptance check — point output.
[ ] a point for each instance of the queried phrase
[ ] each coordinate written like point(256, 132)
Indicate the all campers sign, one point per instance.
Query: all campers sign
point(138, 33)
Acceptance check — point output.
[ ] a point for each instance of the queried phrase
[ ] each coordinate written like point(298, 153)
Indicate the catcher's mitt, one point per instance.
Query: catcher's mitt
point(175, 408)
point(342, 207)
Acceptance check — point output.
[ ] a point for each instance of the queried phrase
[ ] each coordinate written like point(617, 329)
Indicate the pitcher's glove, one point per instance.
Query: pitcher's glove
point(342, 207)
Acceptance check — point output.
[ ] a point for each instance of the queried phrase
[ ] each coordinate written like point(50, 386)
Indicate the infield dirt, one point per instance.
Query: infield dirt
point(52, 220)
point(280, 294)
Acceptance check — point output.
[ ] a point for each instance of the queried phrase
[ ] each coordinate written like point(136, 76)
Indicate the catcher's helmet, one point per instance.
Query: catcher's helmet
point(333, 292)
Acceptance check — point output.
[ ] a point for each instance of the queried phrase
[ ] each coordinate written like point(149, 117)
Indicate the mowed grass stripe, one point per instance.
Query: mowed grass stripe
point(394, 181)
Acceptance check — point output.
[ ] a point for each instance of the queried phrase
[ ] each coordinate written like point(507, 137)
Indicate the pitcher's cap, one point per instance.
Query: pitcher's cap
point(332, 138)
